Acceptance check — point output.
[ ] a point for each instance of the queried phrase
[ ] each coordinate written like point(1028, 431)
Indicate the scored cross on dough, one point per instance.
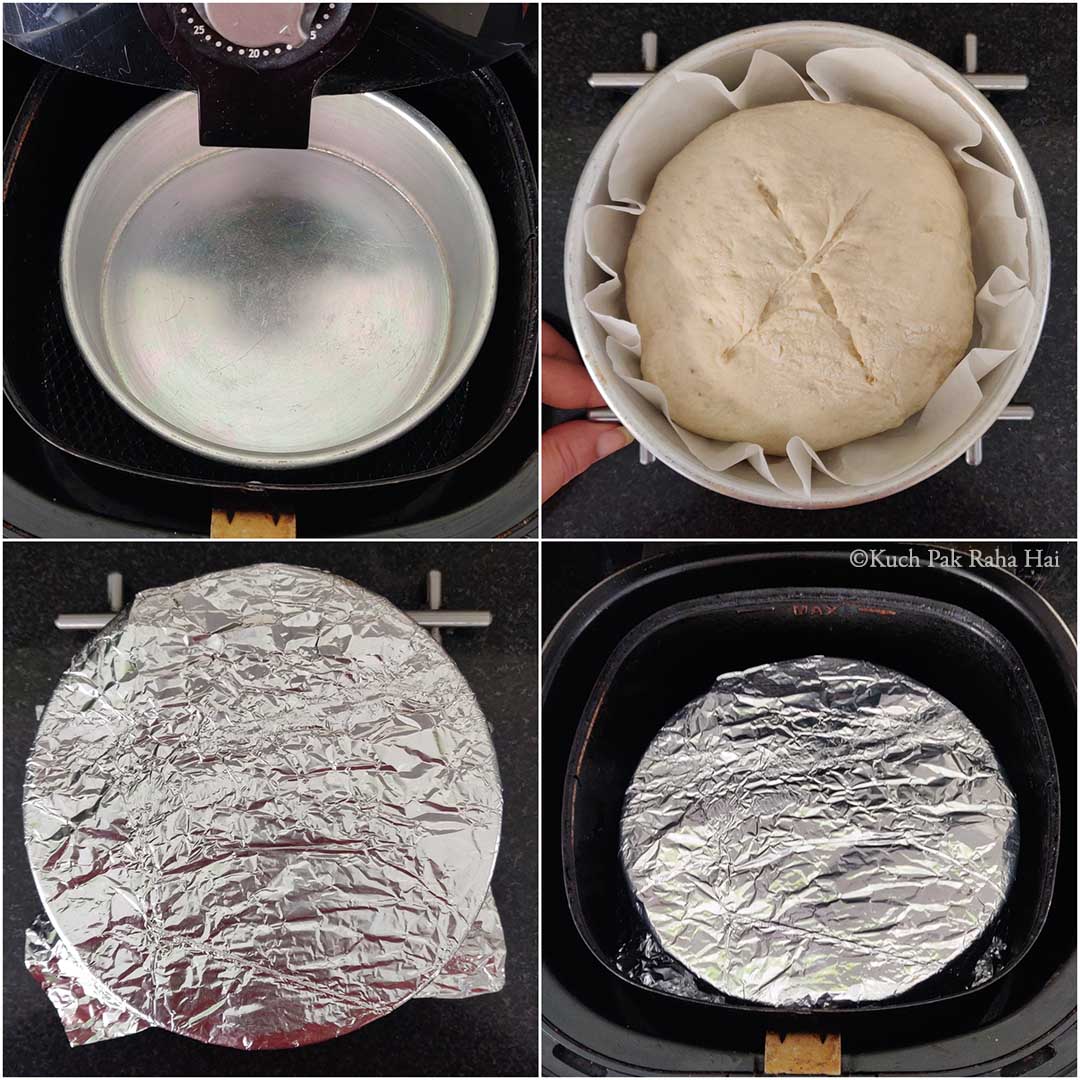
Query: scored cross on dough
point(753, 338)
point(821, 290)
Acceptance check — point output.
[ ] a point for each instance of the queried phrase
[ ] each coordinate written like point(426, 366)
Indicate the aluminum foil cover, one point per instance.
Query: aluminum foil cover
point(479, 965)
point(262, 810)
point(819, 831)
point(90, 1013)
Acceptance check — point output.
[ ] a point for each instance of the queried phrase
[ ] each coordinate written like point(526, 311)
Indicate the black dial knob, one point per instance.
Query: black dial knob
point(256, 66)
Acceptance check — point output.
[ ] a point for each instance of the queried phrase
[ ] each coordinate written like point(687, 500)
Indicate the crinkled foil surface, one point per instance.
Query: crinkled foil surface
point(90, 1013)
point(262, 810)
point(87, 1010)
point(818, 831)
point(479, 965)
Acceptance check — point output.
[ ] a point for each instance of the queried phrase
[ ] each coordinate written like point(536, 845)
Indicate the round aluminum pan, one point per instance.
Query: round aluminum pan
point(280, 308)
point(262, 808)
point(729, 58)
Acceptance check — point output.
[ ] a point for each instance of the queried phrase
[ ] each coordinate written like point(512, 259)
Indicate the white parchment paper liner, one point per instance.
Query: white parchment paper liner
point(688, 103)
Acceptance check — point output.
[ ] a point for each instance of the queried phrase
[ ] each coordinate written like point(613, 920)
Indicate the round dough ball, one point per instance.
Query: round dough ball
point(802, 269)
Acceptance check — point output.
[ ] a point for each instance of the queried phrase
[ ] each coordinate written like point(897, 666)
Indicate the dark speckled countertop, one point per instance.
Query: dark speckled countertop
point(490, 1035)
point(1026, 483)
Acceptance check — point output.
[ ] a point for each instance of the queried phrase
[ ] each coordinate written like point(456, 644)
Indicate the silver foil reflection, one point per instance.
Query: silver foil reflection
point(90, 1013)
point(815, 832)
point(87, 1010)
point(479, 965)
point(262, 810)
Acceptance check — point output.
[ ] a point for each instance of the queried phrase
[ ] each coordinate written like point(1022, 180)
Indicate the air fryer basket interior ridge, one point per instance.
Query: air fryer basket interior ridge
point(65, 120)
point(953, 652)
point(608, 1023)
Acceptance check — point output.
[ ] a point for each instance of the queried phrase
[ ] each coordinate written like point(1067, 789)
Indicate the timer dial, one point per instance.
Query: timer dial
point(258, 31)
point(260, 24)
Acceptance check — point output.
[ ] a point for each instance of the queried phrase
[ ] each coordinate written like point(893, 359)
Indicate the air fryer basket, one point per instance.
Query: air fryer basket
point(940, 645)
point(65, 120)
point(599, 1023)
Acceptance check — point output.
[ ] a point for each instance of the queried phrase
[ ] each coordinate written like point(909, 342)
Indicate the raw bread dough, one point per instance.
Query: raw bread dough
point(802, 269)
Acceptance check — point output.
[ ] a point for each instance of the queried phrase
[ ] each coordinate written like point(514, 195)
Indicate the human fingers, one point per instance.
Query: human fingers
point(565, 383)
point(567, 450)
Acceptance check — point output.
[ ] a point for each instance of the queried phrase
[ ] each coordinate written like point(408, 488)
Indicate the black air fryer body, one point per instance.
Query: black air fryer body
point(77, 464)
point(947, 627)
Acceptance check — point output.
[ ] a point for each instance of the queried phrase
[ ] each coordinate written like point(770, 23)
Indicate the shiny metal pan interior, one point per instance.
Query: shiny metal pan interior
point(280, 308)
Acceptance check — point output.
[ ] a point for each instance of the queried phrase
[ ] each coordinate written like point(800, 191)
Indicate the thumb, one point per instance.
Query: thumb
point(569, 449)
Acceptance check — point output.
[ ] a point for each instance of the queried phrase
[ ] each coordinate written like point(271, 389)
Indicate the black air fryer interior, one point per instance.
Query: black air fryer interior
point(63, 124)
point(969, 663)
point(597, 1023)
